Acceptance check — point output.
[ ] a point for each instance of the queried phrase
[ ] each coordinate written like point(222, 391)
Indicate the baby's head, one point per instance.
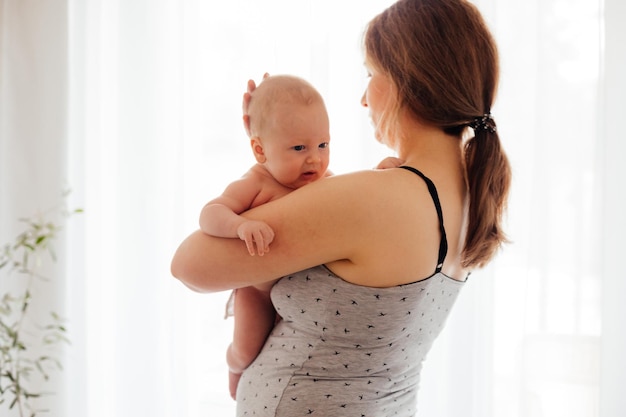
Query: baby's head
point(277, 96)
point(289, 130)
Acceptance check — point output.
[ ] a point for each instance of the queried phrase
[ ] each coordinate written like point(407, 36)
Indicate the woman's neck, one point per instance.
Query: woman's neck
point(421, 144)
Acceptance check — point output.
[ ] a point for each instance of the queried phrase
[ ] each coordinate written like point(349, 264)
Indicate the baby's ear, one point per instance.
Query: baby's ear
point(257, 149)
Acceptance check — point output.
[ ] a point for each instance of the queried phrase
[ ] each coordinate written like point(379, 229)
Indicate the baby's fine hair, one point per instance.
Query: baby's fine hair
point(275, 90)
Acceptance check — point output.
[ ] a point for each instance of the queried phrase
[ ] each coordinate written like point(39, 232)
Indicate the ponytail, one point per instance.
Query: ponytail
point(447, 78)
point(489, 178)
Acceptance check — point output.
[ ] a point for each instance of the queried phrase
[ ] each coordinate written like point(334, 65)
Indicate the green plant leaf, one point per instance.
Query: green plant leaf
point(18, 360)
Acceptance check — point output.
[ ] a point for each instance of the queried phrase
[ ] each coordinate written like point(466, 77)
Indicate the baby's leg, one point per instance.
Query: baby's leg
point(254, 319)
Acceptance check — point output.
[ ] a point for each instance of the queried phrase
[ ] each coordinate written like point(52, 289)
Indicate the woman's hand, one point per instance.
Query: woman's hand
point(247, 96)
point(390, 162)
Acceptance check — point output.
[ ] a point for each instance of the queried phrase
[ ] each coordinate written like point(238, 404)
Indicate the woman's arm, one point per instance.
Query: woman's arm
point(314, 225)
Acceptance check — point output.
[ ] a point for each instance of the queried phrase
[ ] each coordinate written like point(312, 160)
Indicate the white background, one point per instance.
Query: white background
point(135, 106)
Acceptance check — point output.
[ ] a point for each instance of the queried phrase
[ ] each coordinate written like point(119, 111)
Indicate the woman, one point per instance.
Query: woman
point(372, 261)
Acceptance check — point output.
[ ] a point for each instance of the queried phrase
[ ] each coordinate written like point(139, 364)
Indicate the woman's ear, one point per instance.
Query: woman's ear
point(257, 149)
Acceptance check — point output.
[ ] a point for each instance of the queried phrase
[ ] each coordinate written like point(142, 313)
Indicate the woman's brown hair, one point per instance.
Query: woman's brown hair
point(443, 62)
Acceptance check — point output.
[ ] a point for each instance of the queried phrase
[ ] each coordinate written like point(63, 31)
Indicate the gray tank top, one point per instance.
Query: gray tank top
point(344, 349)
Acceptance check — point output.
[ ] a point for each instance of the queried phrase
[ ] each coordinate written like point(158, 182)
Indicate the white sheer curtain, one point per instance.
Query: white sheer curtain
point(136, 107)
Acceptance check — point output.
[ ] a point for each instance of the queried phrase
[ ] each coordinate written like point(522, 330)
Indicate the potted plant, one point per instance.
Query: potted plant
point(28, 349)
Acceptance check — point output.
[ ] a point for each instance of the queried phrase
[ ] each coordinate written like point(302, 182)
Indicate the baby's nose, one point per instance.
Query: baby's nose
point(313, 157)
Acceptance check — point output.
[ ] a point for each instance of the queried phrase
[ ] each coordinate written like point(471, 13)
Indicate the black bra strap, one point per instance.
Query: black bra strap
point(443, 244)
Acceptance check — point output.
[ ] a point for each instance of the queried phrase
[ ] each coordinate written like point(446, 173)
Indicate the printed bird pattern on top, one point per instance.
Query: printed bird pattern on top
point(344, 349)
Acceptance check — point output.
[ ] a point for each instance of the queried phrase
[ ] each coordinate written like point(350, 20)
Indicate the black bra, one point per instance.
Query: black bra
point(443, 244)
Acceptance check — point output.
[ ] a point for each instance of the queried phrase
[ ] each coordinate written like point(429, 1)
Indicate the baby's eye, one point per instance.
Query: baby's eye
point(324, 145)
point(298, 148)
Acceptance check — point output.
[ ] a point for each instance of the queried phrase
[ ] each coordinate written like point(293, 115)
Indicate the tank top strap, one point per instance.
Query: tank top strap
point(443, 243)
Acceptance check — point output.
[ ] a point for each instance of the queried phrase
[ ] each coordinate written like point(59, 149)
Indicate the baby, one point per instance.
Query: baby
point(288, 126)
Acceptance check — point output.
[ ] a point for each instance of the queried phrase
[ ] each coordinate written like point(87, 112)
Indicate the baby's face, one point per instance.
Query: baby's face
point(296, 144)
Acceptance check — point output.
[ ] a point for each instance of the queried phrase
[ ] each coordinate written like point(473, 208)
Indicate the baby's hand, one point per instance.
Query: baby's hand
point(390, 162)
point(257, 235)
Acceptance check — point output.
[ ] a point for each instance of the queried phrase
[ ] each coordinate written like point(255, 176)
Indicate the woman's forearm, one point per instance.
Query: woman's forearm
point(209, 264)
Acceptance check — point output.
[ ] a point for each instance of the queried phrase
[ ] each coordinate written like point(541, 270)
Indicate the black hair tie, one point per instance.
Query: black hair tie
point(484, 122)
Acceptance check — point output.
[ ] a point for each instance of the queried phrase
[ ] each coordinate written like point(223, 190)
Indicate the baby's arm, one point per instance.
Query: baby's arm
point(220, 217)
point(254, 319)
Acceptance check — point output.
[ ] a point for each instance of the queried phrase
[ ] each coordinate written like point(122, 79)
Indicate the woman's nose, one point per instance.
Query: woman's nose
point(363, 99)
